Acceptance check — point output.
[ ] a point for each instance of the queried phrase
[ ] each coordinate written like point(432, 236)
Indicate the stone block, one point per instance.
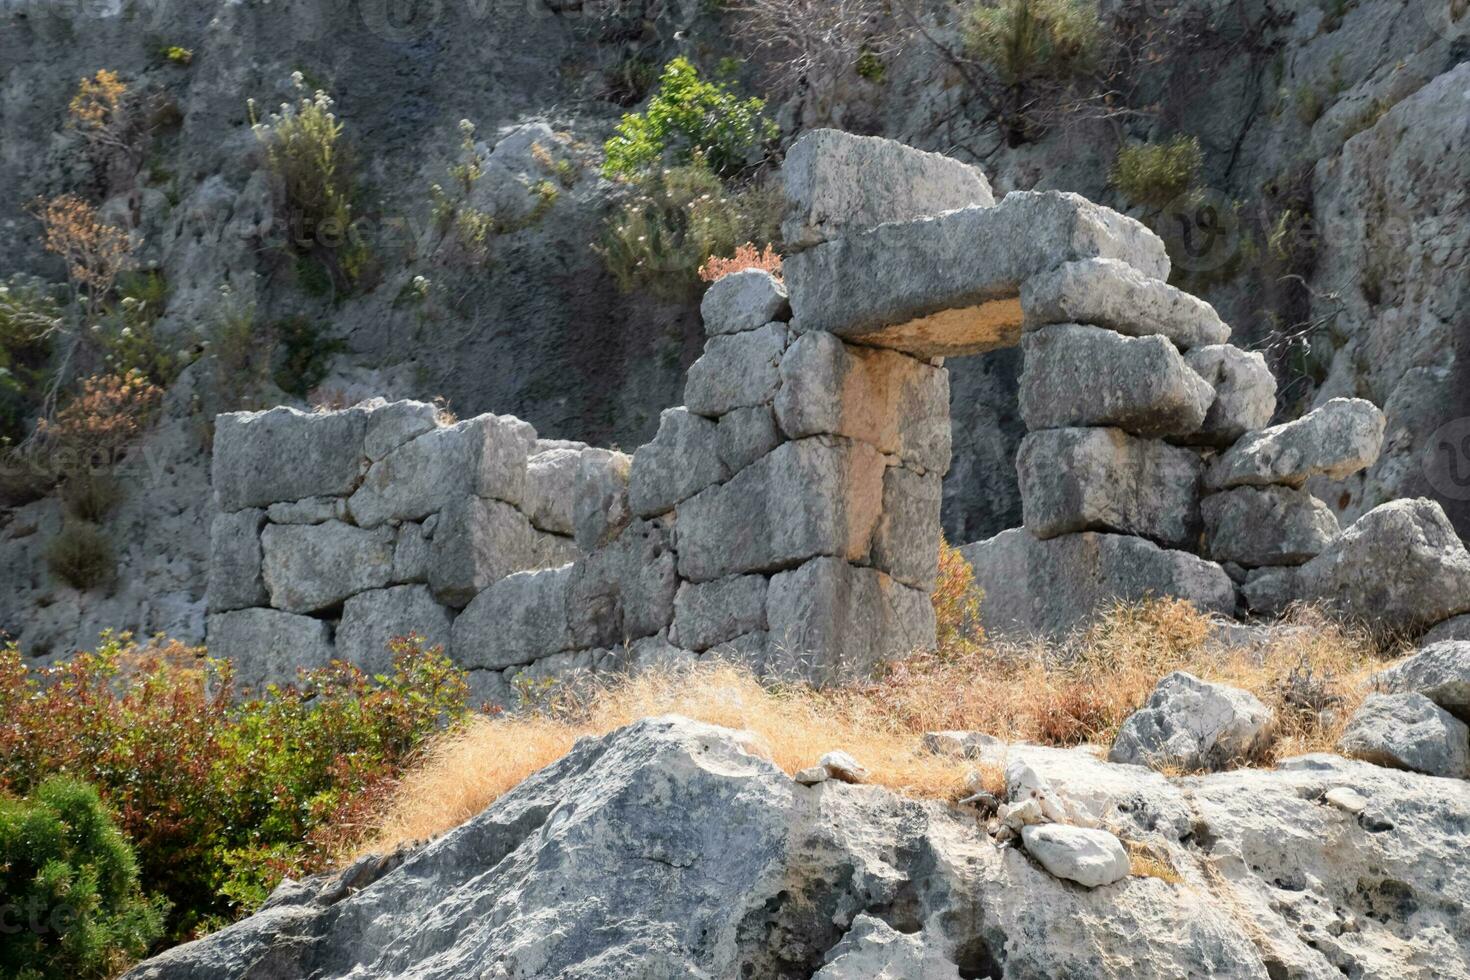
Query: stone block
point(484, 456)
point(1113, 294)
point(831, 622)
point(261, 458)
point(906, 541)
point(551, 488)
point(1191, 724)
point(812, 497)
point(371, 620)
point(889, 400)
point(745, 435)
point(478, 542)
point(682, 459)
point(517, 621)
point(311, 567)
point(1047, 589)
point(413, 551)
point(744, 300)
point(235, 580)
point(392, 424)
point(951, 285)
point(1256, 526)
point(1336, 440)
point(736, 371)
point(625, 590)
point(267, 646)
point(1088, 376)
point(601, 510)
point(1408, 731)
point(1106, 480)
point(312, 510)
point(1245, 392)
point(837, 183)
point(710, 613)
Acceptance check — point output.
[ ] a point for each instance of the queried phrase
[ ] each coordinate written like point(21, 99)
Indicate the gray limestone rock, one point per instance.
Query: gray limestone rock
point(745, 435)
point(267, 646)
point(1049, 588)
point(744, 300)
point(1110, 293)
point(624, 591)
point(1439, 671)
point(551, 488)
point(311, 510)
point(837, 183)
point(682, 460)
point(710, 613)
point(736, 371)
point(413, 551)
point(1245, 392)
point(1088, 376)
point(1088, 856)
point(1106, 480)
point(1188, 723)
point(874, 950)
point(601, 508)
point(310, 567)
point(235, 580)
point(478, 542)
point(371, 620)
point(392, 424)
point(1454, 628)
point(261, 458)
point(1336, 440)
point(1408, 731)
point(1256, 526)
point(517, 621)
point(906, 540)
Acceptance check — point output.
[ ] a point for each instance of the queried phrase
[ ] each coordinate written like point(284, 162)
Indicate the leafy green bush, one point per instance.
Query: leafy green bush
point(1026, 40)
point(81, 555)
point(29, 315)
point(689, 118)
point(676, 219)
point(1153, 174)
point(70, 902)
point(303, 355)
point(222, 795)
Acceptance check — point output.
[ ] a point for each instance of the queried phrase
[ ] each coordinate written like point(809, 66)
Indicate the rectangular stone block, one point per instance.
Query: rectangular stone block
point(478, 542)
point(625, 590)
point(551, 488)
point(1106, 480)
point(235, 580)
point(710, 613)
point(819, 496)
point(1256, 526)
point(267, 646)
point(838, 183)
point(372, 620)
point(906, 541)
point(601, 509)
point(1113, 294)
point(736, 371)
point(951, 285)
point(518, 620)
point(311, 567)
point(889, 400)
point(831, 622)
point(261, 458)
point(485, 456)
point(682, 459)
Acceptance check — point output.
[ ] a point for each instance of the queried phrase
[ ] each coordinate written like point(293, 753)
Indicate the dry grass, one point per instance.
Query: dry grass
point(1069, 694)
point(1146, 861)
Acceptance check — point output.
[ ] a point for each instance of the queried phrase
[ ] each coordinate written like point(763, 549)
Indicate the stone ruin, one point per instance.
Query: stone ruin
point(787, 515)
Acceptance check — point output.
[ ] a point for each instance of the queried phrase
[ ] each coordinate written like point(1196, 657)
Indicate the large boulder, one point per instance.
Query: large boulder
point(310, 567)
point(1400, 567)
point(889, 400)
point(1113, 294)
point(736, 371)
point(744, 300)
point(1088, 376)
point(950, 285)
point(1049, 588)
point(811, 497)
point(1106, 480)
point(1245, 392)
point(1336, 440)
point(372, 620)
point(267, 646)
point(1089, 856)
point(1256, 526)
point(516, 621)
point(285, 454)
point(1408, 731)
point(1440, 672)
point(837, 183)
point(670, 849)
point(1191, 724)
point(550, 500)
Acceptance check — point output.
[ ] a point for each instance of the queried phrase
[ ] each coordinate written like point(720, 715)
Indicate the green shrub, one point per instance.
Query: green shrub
point(1153, 174)
point(689, 118)
point(302, 354)
point(69, 888)
point(81, 555)
point(90, 495)
point(676, 219)
point(29, 316)
point(223, 792)
point(1026, 40)
point(242, 350)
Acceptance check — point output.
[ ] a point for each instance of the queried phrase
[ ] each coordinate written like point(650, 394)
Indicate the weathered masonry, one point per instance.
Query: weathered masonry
point(787, 515)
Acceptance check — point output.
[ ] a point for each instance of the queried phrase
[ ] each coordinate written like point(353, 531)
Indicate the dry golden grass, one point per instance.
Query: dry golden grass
point(1069, 694)
point(1145, 861)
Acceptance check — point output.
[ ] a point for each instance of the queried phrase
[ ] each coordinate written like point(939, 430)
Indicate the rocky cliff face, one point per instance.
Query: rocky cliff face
point(673, 849)
point(1342, 128)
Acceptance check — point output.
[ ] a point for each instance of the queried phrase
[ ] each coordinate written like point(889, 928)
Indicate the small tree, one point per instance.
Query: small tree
point(93, 250)
point(111, 120)
point(686, 118)
point(1153, 174)
point(74, 908)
